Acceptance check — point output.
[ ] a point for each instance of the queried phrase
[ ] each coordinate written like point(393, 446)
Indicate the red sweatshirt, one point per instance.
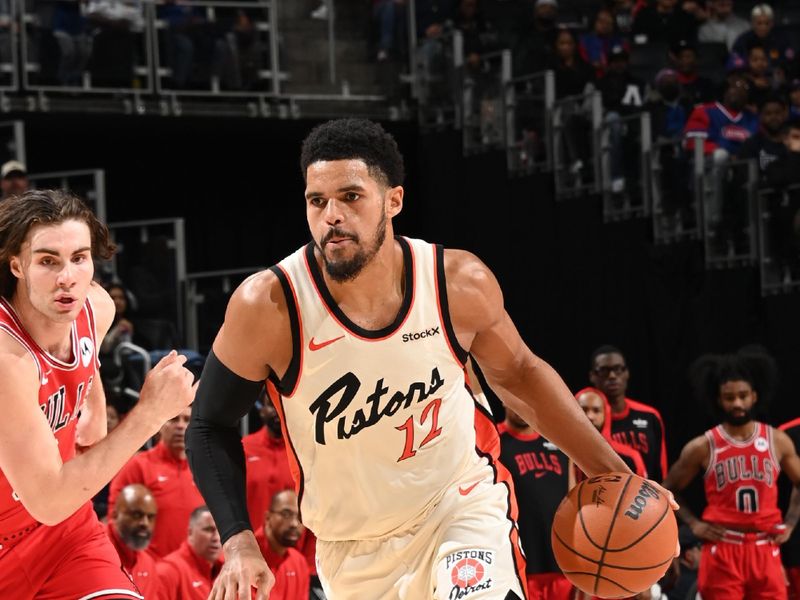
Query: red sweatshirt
point(139, 564)
point(183, 575)
point(267, 474)
point(292, 577)
point(171, 484)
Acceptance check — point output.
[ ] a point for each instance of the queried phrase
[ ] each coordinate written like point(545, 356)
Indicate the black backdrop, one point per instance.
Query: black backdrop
point(571, 283)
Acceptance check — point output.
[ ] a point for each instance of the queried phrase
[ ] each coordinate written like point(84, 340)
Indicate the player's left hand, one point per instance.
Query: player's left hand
point(780, 534)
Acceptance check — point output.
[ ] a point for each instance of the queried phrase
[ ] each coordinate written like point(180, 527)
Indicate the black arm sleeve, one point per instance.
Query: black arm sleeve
point(214, 446)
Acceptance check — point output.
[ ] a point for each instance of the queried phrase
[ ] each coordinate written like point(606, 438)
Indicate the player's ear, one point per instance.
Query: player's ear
point(15, 265)
point(394, 200)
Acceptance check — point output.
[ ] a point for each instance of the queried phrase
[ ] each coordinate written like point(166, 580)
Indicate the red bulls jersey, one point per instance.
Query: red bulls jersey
point(741, 481)
point(63, 387)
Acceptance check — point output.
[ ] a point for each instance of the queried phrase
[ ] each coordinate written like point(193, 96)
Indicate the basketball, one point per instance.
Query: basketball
point(614, 535)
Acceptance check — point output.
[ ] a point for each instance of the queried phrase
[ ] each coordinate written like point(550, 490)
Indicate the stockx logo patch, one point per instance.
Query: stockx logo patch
point(470, 571)
point(420, 335)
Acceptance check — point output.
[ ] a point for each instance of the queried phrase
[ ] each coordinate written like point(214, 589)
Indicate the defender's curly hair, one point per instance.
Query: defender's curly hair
point(344, 139)
point(751, 364)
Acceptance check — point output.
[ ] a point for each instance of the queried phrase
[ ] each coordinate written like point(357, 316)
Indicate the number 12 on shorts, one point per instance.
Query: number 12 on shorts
point(433, 432)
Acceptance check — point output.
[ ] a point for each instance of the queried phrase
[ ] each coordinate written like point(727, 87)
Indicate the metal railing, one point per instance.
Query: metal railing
point(151, 262)
point(12, 141)
point(625, 148)
point(437, 82)
point(88, 184)
point(529, 125)
point(483, 102)
point(209, 287)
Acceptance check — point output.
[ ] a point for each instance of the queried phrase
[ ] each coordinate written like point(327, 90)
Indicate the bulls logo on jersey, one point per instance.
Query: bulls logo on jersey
point(86, 347)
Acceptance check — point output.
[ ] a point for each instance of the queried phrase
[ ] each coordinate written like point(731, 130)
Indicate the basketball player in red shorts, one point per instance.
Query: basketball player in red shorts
point(740, 460)
point(52, 320)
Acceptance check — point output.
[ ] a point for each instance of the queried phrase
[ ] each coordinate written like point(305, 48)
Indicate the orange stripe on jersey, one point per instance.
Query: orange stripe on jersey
point(487, 443)
point(299, 335)
point(294, 464)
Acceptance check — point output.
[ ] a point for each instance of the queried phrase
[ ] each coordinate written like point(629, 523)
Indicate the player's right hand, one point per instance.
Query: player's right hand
point(243, 570)
point(167, 389)
point(707, 531)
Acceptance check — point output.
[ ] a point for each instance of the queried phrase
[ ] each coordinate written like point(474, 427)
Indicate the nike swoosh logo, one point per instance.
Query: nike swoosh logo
point(314, 347)
point(467, 490)
point(539, 474)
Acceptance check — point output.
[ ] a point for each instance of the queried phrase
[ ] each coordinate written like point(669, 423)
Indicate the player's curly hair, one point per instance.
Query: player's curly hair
point(18, 214)
point(344, 139)
point(751, 364)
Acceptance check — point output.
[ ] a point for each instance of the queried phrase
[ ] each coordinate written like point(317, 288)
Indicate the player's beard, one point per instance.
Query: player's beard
point(348, 269)
point(136, 540)
point(737, 420)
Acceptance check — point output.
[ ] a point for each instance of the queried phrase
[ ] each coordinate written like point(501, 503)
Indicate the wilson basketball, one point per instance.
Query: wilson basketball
point(614, 535)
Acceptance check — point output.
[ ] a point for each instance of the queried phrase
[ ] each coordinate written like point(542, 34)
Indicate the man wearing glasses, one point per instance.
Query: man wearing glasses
point(632, 423)
point(277, 540)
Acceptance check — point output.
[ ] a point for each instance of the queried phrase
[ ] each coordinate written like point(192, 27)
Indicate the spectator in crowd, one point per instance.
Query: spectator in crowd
point(69, 30)
point(476, 33)
point(596, 45)
point(389, 18)
point(764, 81)
point(695, 89)
point(723, 126)
point(779, 50)
point(13, 179)
point(130, 530)
point(766, 145)
point(595, 404)
point(267, 464)
point(277, 540)
point(572, 73)
point(740, 459)
point(623, 12)
point(165, 472)
point(790, 551)
point(541, 480)
point(115, 25)
point(623, 94)
point(794, 98)
point(667, 114)
point(633, 423)
point(187, 39)
point(785, 221)
point(668, 117)
point(665, 21)
point(239, 55)
point(122, 327)
point(536, 41)
point(188, 573)
point(268, 470)
point(722, 26)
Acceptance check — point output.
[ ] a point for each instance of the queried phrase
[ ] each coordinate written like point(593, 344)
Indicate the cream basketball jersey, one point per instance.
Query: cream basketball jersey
point(379, 423)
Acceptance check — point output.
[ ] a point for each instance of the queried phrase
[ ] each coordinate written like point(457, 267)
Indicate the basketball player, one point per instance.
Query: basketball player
point(541, 480)
point(633, 423)
point(596, 407)
point(740, 460)
point(53, 318)
point(365, 335)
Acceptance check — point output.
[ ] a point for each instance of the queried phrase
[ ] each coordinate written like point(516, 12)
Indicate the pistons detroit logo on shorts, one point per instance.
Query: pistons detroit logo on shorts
point(469, 571)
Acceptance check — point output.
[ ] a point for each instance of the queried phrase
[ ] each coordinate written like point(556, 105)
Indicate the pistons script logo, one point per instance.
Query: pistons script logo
point(345, 389)
point(469, 572)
